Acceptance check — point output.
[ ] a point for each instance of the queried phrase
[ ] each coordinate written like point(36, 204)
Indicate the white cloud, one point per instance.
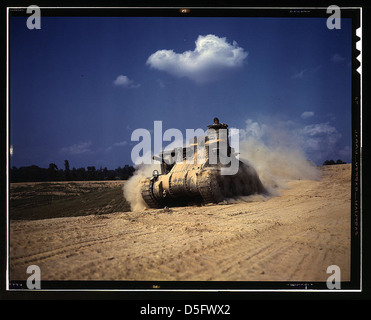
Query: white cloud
point(318, 141)
point(321, 138)
point(307, 114)
point(337, 58)
point(319, 129)
point(254, 129)
point(161, 83)
point(78, 148)
point(212, 56)
point(120, 144)
point(125, 82)
point(331, 116)
point(299, 74)
point(117, 144)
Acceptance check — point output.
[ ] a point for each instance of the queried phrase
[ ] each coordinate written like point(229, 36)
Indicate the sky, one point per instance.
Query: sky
point(80, 86)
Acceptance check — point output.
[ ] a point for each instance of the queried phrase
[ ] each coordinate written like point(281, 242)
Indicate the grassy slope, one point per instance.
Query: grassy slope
point(34, 203)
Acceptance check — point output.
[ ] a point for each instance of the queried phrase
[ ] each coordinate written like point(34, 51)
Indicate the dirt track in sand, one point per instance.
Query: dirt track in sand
point(291, 237)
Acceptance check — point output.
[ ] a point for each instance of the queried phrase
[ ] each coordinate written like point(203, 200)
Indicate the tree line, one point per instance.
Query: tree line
point(331, 162)
point(53, 173)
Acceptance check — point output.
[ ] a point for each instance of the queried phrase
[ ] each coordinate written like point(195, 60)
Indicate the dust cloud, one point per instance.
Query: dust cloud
point(277, 164)
point(132, 188)
point(270, 164)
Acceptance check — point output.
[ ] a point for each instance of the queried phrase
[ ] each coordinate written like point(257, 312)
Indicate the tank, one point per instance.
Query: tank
point(194, 174)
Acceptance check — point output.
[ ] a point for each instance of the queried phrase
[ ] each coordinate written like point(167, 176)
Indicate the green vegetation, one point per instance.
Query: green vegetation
point(331, 162)
point(68, 199)
point(52, 173)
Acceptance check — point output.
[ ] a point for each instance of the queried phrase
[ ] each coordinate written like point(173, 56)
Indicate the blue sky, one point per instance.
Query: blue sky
point(79, 86)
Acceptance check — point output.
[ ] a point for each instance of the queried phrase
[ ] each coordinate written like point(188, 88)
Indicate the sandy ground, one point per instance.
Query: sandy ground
point(291, 237)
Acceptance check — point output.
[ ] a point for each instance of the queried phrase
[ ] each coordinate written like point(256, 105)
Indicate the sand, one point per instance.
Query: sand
point(294, 236)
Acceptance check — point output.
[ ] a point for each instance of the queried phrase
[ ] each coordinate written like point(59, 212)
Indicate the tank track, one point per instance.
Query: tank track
point(209, 188)
point(148, 197)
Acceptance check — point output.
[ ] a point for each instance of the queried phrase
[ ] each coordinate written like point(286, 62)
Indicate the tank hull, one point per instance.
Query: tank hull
point(188, 184)
point(199, 176)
